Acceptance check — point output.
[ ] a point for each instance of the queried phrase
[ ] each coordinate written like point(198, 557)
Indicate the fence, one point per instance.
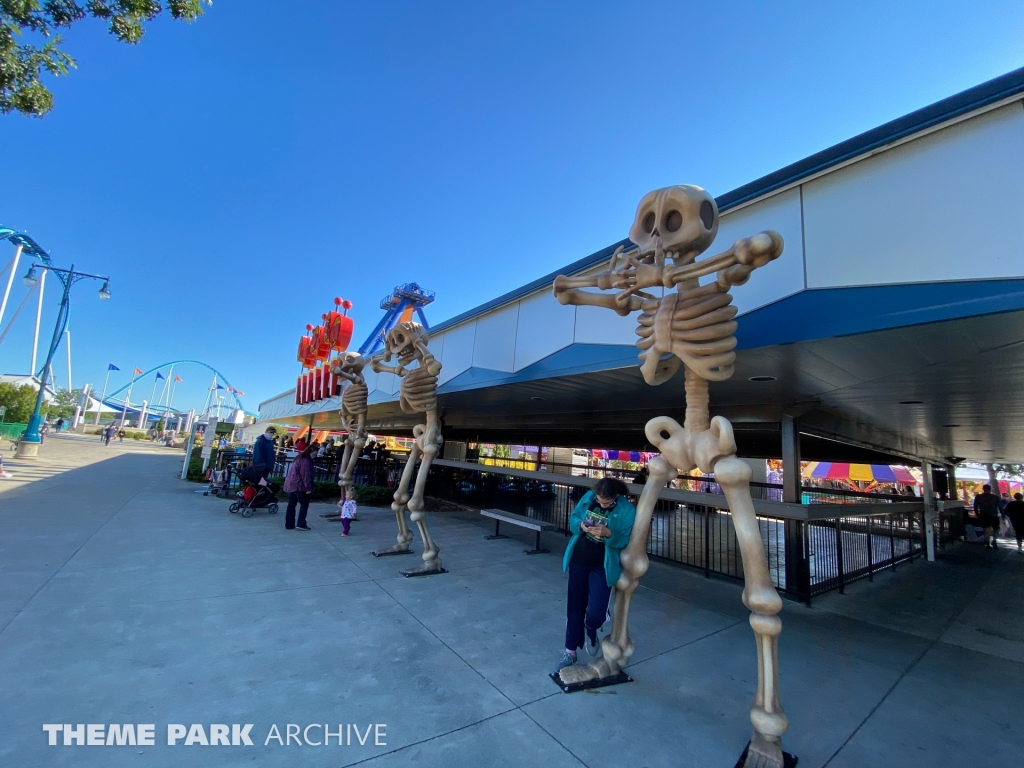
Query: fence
point(325, 469)
point(807, 556)
point(11, 430)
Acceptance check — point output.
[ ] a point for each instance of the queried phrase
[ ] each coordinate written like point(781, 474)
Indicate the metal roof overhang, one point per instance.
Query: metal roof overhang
point(848, 383)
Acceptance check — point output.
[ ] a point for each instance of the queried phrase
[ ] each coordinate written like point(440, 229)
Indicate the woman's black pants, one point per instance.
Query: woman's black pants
point(588, 603)
point(302, 498)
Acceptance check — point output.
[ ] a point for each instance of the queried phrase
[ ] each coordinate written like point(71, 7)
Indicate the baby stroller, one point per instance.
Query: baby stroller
point(257, 495)
point(219, 481)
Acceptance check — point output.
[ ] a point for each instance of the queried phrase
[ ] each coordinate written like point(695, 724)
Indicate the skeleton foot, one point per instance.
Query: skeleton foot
point(608, 664)
point(764, 752)
point(398, 549)
point(433, 566)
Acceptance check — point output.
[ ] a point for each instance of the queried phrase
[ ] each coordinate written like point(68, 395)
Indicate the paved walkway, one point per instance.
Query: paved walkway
point(125, 597)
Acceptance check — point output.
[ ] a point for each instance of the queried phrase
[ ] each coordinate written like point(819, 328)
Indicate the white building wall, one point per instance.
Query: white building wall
point(545, 326)
point(782, 277)
point(457, 355)
point(946, 206)
point(494, 346)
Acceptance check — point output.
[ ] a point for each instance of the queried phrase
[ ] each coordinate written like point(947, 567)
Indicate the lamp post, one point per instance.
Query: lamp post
point(28, 446)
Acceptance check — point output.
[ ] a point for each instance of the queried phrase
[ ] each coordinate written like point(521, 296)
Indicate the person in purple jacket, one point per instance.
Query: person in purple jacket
point(299, 485)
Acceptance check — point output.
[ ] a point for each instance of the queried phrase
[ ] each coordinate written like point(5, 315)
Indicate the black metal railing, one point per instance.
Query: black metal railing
point(325, 468)
point(810, 494)
point(805, 557)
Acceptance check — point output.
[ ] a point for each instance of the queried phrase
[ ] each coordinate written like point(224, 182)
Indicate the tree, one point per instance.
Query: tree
point(1009, 469)
point(19, 401)
point(22, 63)
point(63, 403)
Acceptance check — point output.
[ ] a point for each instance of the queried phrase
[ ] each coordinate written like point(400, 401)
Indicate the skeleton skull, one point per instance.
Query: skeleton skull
point(682, 220)
point(350, 362)
point(401, 341)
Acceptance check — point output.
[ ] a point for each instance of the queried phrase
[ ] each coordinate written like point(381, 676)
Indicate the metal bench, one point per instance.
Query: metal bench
point(522, 521)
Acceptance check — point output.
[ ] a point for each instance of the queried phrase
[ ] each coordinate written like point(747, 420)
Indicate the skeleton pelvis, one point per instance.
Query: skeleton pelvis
point(685, 450)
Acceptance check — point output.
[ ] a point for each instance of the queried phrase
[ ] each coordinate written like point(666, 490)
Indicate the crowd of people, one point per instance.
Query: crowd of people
point(999, 513)
point(298, 481)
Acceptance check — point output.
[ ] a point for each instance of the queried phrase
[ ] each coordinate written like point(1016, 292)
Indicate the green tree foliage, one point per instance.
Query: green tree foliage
point(63, 404)
point(22, 63)
point(1009, 469)
point(19, 401)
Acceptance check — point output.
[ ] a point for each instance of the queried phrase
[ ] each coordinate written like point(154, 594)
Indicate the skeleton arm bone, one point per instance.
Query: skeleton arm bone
point(608, 301)
point(428, 361)
point(567, 291)
point(734, 265)
point(379, 367)
point(354, 378)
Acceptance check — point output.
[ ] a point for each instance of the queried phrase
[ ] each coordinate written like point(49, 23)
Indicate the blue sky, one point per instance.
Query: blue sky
point(234, 175)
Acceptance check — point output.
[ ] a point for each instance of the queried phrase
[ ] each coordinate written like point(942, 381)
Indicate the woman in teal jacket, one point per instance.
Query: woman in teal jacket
point(600, 526)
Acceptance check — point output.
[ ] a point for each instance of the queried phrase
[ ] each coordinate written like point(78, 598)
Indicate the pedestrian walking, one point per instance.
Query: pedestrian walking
point(986, 507)
point(299, 485)
point(601, 524)
point(120, 436)
point(107, 434)
point(1015, 511)
point(264, 455)
point(348, 510)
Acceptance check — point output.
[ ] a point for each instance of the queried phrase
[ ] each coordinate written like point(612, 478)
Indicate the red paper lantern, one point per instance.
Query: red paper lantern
point(339, 331)
point(304, 344)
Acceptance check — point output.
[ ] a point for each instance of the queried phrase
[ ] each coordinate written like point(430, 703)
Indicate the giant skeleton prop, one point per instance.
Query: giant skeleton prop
point(350, 366)
point(418, 394)
point(692, 326)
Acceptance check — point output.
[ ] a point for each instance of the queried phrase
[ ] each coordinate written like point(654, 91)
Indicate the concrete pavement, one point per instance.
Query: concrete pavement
point(127, 598)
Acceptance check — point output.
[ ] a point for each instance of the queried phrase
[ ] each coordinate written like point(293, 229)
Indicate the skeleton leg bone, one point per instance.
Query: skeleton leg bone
point(353, 447)
point(759, 595)
point(399, 505)
point(429, 441)
point(617, 648)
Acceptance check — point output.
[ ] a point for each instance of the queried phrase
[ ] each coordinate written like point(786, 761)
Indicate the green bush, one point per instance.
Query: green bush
point(195, 465)
point(374, 495)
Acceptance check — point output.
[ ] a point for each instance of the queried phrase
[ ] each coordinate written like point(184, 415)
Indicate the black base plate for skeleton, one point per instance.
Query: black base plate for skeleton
point(382, 553)
point(492, 537)
point(788, 760)
point(602, 682)
point(410, 573)
point(535, 551)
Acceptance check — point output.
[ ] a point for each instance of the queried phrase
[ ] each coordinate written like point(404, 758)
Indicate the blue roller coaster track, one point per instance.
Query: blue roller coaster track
point(111, 400)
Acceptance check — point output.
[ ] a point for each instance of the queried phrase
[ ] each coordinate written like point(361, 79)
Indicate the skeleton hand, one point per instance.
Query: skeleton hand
point(637, 274)
point(750, 253)
point(428, 360)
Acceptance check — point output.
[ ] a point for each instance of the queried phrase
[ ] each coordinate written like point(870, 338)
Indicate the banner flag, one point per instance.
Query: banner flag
point(112, 367)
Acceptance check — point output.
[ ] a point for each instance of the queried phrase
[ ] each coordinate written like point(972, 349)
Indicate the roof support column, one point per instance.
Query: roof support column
point(928, 496)
point(790, 459)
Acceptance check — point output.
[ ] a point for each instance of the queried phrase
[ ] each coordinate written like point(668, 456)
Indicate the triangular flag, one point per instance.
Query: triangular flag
point(239, 392)
point(178, 378)
point(231, 389)
point(159, 375)
point(112, 367)
point(138, 372)
point(220, 386)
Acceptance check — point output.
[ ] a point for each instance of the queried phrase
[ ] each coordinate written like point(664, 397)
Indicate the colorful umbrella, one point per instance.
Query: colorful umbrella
point(880, 473)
